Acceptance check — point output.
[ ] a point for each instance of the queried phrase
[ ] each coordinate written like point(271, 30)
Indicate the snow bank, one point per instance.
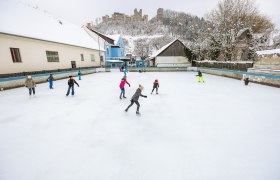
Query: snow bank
point(268, 52)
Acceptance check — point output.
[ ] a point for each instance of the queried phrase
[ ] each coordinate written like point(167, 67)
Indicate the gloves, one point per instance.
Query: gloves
point(129, 85)
point(145, 96)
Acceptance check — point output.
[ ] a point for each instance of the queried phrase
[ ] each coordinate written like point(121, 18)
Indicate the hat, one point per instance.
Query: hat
point(141, 87)
point(29, 77)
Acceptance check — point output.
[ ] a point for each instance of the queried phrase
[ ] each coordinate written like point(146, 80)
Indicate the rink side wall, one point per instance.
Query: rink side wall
point(265, 79)
point(14, 82)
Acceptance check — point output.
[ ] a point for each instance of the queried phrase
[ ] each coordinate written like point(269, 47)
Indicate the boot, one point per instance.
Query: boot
point(124, 97)
point(137, 112)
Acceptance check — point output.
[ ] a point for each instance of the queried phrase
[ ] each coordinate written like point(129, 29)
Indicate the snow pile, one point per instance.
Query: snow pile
point(21, 19)
point(268, 52)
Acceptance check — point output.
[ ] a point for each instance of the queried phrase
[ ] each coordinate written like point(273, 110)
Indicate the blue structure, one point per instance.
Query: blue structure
point(115, 52)
point(142, 63)
point(114, 48)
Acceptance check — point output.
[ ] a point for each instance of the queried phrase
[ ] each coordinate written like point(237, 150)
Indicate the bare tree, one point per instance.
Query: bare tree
point(229, 18)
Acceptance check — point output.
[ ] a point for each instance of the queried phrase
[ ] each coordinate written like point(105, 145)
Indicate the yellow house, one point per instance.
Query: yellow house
point(31, 40)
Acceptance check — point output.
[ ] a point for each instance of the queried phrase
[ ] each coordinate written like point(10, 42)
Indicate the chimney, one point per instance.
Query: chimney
point(89, 26)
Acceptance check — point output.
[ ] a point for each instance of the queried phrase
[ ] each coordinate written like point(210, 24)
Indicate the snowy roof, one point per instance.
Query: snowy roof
point(21, 19)
point(268, 52)
point(114, 61)
point(115, 37)
point(241, 32)
point(163, 48)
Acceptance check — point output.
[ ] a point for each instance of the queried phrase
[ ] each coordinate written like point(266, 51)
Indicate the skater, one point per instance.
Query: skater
point(80, 75)
point(200, 77)
point(122, 84)
point(125, 71)
point(156, 86)
point(71, 83)
point(135, 98)
point(30, 84)
point(50, 79)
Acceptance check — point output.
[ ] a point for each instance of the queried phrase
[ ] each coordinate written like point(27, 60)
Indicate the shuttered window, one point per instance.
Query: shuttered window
point(52, 56)
point(15, 55)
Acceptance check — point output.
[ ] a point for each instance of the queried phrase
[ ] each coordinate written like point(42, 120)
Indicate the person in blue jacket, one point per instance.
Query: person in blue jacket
point(125, 71)
point(50, 79)
point(79, 75)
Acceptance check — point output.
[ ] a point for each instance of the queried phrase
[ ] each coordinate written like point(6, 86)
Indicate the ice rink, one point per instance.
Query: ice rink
point(218, 130)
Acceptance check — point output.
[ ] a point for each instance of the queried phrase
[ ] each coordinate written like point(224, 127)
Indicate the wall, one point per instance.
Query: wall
point(172, 61)
point(241, 66)
point(265, 79)
point(271, 61)
point(33, 55)
point(8, 83)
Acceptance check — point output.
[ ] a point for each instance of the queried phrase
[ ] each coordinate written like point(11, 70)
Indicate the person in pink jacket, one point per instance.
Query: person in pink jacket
point(122, 84)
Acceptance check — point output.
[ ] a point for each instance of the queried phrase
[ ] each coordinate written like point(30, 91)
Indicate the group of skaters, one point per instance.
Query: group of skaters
point(30, 84)
point(137, 94)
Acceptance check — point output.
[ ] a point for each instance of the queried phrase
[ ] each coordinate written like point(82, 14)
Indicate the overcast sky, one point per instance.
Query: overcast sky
point(81, 11)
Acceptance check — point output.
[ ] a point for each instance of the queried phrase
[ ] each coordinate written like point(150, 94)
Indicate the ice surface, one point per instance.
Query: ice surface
point(217, 130)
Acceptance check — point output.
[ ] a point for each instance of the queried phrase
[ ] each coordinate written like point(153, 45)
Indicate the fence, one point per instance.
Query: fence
point(240, 66)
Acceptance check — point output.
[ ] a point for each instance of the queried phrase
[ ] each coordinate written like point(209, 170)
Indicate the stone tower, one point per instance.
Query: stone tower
point(160, 14)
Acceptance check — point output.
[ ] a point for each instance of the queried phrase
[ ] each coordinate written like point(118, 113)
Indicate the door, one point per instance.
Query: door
point(73, 64)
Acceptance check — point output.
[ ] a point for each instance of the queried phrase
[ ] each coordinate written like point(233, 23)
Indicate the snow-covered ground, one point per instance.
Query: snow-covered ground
point(213, 131)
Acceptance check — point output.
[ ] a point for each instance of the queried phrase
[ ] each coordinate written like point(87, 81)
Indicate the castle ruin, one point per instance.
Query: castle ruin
point(136, 17)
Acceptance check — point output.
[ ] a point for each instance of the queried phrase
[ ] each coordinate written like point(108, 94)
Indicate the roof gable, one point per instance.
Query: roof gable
point(161, 50)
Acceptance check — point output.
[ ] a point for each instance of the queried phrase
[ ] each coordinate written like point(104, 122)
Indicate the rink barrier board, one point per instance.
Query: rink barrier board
point(14, 82)
point(265, 79)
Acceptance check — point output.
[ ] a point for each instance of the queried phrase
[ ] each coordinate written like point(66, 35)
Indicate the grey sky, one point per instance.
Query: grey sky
point(82, 11)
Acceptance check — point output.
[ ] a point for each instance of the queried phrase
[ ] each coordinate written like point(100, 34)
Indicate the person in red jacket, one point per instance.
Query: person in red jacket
point(122, 84)
point(155, 86)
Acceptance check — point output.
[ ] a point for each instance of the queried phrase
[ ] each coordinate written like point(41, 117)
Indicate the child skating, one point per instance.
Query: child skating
point(71, 83)
point(30, 84)
point(200, 77)
point(155, 86)
point(135, 99)
point(50, 79)
point(79, 75)
point(125, 71)
point(122, 84)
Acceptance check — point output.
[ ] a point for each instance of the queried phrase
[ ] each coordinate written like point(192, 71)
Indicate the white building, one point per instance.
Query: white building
point(32, 40)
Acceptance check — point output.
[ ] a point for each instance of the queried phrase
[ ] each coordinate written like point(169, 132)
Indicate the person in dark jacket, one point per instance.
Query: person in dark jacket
point(135, 99)
point(156, 86)
point(246, 81)
point(50, 79)
point(71, 83)
point(200, 77)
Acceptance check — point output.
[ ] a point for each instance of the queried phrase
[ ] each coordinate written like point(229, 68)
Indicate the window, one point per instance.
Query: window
point(92, 57)
point(108, 51)
point(52, 56)
point(82, 57)
point(15, 55)
point(101, 58)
